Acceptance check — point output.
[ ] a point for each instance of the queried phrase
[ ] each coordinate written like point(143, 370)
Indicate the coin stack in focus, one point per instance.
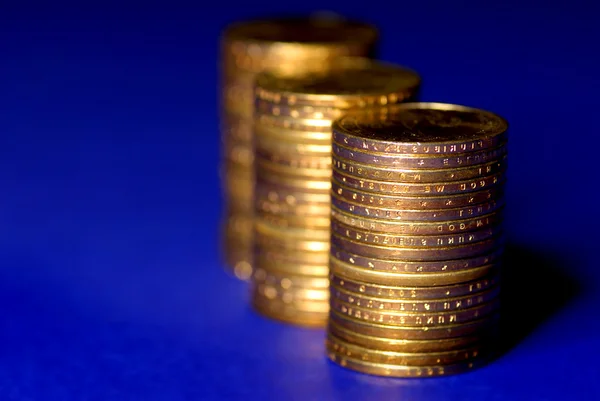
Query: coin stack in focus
point(293, 178)
point(287, 47)
point(417, 197)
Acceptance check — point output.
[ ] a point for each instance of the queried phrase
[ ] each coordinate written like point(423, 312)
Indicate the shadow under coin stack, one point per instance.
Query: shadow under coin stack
point(416, 240)
point(286, 47)
point(293, 179)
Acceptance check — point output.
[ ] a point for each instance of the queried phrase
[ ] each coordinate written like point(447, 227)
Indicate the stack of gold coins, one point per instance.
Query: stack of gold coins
point(417, 197)
point(286, 47)
point(293, 178)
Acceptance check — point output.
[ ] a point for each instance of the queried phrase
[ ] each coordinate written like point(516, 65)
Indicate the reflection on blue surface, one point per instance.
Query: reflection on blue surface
point(109, 275)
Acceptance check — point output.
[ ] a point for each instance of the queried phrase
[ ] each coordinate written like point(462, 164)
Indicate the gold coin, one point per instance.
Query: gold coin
point(412, 292)
point(418, 254)
point(420, 161)
point(266, 241)
point(394, 318)
point(440, 188)
point(471, 328)
point(298, 312)
point(421, 128)
point(411, 305)
point(418, 176)
point(418, 228)
point(293, 295)
point(272, 297)
point(274, 193)
point(413, 203)
point(291, 221)
point(263, 228)
point(264, 144)
point(401, 345)
point(297, 183)
point(418, 215)
point(351, 82)
point(389, 370)
point(380, 238)
point(352, 351)
point(279, 256)
point(409, 279)
point(290, 281)
point(295, 124)
point(299, 210)
point(290, 313)
point(266, 167)
point(290, 267)
point(285, 44)
point(293, 136)
point(322, 163)
point(302, 111)
point(406, 266)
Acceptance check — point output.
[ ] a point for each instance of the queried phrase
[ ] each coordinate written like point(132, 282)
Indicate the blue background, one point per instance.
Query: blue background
point(110, 282)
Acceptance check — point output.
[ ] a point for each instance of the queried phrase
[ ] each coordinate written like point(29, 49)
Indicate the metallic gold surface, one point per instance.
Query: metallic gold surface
point(284, 47)
point(431, 241)
point(402, 345)
point(417, 205)
point(339, 346)
point(471, 328)
point(395, 318)
point(272, 254)
point(292, 130)
point(291, 282)
point(438, 188)
point(294, 221)
point(421, 128)
point(418, 214)
point(352, 82)
point(411, 161)
point(406, 266)
point(414, 292)
point(267, 167)
point(294, 136)
point(399, 202)
point(404, 305)
point(298, 267)
point(418, 254)
point(411, 279)
point(301, 313)
point(392, 227)
point(393, 370)
point(418, 176)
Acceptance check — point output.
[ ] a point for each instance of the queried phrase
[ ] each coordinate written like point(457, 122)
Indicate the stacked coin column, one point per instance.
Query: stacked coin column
point(293, 165)
point(286, 47)
point(417, 197)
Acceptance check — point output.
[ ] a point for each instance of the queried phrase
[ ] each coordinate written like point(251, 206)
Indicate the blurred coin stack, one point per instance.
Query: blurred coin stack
point(286, 47)
point(417, 197)
point(293, 178)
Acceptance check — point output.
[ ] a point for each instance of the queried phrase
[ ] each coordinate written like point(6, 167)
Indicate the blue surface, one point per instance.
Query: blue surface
point(110, 283)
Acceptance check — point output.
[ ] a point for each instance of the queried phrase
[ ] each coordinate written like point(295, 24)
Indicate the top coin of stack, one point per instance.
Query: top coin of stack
point(286, 47)
point(293, 178)
point(416, 239)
